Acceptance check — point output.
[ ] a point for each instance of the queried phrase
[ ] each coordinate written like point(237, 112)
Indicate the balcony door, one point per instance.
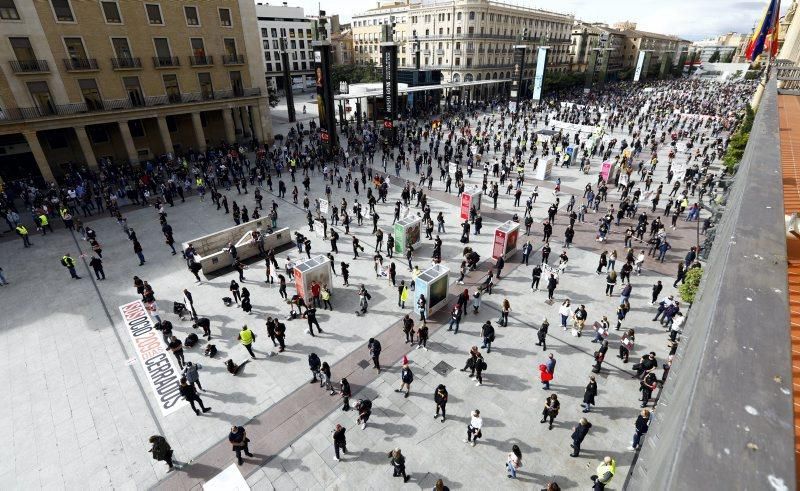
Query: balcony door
point(134, 90)
point(40, 93)
point(91, 94)
point(236, 84)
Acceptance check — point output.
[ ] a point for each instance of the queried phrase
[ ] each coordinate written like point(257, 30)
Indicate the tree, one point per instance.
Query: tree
point(728, 57)
point(273, 97)
point(714, 57)
point(354, 74)
point(691, 284)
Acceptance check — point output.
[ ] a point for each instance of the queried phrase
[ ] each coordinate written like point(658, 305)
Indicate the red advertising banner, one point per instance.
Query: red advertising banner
point(499, 248)
point(605, 170)
point(466, 204)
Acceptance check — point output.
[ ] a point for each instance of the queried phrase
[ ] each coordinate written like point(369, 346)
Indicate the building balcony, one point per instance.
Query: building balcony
point(457, 52)
point(130, 63)
point(113, 105)
point(201, 60)
point(470, 51)
point(30, 66)
point(166, 61)
point(80, 64)
point(233, 59)
point(440, 52)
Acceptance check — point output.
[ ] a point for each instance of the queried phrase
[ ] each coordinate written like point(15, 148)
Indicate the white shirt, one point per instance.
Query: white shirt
point(565, 310)
point(476, 422)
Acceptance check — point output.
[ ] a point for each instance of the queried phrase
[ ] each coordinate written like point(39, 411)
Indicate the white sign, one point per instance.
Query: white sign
point(538, 78)
point(159, 365)
point(545, 167)
point(230, 479)
point(323, 206)
point(639, 64)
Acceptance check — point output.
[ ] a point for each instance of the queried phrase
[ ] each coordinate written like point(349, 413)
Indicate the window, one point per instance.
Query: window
point(302, 44)
point(171, 87)
point(192, 17)
point(111, 12)
point(236, 83)
point(198, 48)
point(75, 49)
point(154, 14)
point(121, 48)
point(230, 46)
point(294, 66)
point(225, 17)
point(302, 55)
point(8, 11)
point(308, 33)
point(206, 88)
point(162, 49)
point(22, 48)
point(136, 128)
point(293, 44)
point(134, 90)
point(458, 16)
point(62, 10)
point(277, 67)
point(266, 44)
point(264, 32)
point(291, 33)
point(269, 67)
point(91, 94)
point(472, 16)
point(274, 32)
point(97, 133)
point(40, 94)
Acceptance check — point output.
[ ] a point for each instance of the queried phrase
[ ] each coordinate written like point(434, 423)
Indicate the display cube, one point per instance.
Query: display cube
point(434, 283)
point(505, 240)
point(468, 199)
point(407, 233)
point(318, 269)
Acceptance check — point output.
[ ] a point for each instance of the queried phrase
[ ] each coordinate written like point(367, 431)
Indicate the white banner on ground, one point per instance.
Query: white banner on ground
point(323, 206)
point(160, 367)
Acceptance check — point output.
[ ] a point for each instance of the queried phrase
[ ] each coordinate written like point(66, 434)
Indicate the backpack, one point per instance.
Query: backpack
point(190, 340)
point(483, 365)
point(227, 301)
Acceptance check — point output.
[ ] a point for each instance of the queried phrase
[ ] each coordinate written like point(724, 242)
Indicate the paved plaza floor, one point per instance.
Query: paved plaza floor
point(80, 411)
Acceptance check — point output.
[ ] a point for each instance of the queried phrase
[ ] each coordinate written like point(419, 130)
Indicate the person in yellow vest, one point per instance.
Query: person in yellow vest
point(69, 263)
point(605, 472)
point(247, 338)
point(44, 223)
point(23, 232)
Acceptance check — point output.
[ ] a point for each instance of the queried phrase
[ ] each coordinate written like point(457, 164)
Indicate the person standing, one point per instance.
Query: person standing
point(422, 337)
point(24, 234)
point(364, 408)
point(440, 398)
point(589, 394)
point(578, 435)
point(406, 377)
point(69, 263)
point(339, 441)
point(487, 333)
point(474, 428)
point(97, 266)
point(239, 441)
point(189, 393)
point(190, 372)
point(626, 345)
point(137, 249)
point(642, 425)
point(551, 407)
point(536, 277)
point(550, 367)
point(160, 450)
point(526, 252)
point(514, 461)
point(552, 282)
point(408, 328)
point(345, 393)
point(656, 291)
point(647, 386)
point(176, 346)
point(374, 347)
point(247, 338)
point(311, 317)
point(398, 462)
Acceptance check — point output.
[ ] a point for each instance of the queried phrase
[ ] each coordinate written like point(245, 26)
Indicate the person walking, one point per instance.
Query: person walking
point(474, 428)
point(605, 472)
point(176, 346)
point(578, 435)
point(247, 338)
point(69, 263)
point(551, 407)
point(514, 461)
point(506, 309)
point(364, 408)
point(311, 317)
point(589, 394)
point(160, 450)
point(346, 393)
point(325, 377)
point(550, 369)
point(339, 441)
point(541, 335)
point(487, 333)
point(406, 377)
point(440, 398)
point(189, 393)
point(239, 442)
point(641, 427)
point(626, 345)
point(398, 462)
point(374, 347)
point(190, 372)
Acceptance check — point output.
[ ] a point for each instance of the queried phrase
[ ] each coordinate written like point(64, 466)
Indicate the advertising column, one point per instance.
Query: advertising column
point(287, 81)
point(587, 84)
point(516, 96)
point(538, 78)
point(389, 63)
point(322, 75)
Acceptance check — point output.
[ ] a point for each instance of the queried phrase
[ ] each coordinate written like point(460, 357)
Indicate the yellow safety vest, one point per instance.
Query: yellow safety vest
point(246, 337)
point(68, 261)
point(22, 230)
point(43, 219)
point(326, 295)
point(603, 468)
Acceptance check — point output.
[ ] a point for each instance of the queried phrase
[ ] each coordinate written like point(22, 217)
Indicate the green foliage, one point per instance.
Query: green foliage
point(735, 152)
point(273, 97)
point(354, 74)
point(714, 57)
point(751, 74)
point(728, 58)
point(691, 283)
point(560, 81)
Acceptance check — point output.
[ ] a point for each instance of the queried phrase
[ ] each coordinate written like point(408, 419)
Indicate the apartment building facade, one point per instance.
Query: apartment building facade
point(126, 80)
point(468, 40)
point(608, 42)
point(659, 47)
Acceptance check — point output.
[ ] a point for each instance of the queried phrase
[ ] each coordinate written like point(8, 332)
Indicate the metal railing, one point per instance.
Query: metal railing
point(75, 64)
point(166, 61)
point(29, 66)
point(108, 105)
point(126, 63)
point(233, 59)
point(201, 60)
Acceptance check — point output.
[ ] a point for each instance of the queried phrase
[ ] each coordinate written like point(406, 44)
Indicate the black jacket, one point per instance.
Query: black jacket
point(580, 432)
point(440, 395)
